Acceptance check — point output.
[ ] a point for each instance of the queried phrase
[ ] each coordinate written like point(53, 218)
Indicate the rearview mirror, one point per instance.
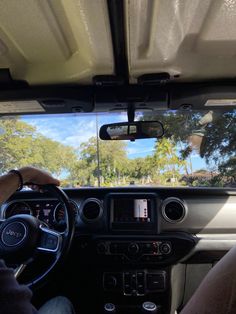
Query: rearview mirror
point(131, 130)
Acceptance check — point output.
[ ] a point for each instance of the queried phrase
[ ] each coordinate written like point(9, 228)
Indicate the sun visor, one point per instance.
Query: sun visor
point(16, 107)
point(202, 96)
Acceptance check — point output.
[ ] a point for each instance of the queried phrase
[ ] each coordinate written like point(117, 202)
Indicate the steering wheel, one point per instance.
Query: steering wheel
point(22, 237)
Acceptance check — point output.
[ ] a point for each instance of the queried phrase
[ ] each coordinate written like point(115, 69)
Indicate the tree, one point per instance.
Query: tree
point(112, 165)
point(228, 168)
point(216, 135)
point(22, 145)
point(168, 165)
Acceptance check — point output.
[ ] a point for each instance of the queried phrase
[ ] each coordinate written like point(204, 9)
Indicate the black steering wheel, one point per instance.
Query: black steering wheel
point(22, 237)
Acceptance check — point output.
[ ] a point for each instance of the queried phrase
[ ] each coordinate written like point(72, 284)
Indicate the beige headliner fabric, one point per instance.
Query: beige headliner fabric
point(195, 39)
point(55, 41)
point(69, 41)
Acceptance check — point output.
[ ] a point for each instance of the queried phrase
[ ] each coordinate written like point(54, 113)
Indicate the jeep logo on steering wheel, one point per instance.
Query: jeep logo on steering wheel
point(13, 234)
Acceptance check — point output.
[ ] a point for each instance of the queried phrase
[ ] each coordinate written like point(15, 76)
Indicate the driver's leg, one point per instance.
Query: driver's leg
point(57, 305)
point(217, 292)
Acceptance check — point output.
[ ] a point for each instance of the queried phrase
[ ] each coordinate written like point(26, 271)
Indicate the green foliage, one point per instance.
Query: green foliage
point(168, 166)
point(218, 144)
point(228, 169)
point(21, 145)
point(220, 138)
point(163, 167)
point(112, 165)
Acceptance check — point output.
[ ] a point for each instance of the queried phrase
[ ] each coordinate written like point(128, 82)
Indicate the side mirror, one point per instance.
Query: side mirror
point(131, 130)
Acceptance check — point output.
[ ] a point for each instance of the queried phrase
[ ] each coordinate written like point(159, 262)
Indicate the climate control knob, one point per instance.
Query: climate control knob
point(101, 248)
point(133, 248)
point(165, 248)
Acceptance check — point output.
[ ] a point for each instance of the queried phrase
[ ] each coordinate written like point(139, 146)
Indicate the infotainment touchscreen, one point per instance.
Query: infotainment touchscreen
point(131, 210)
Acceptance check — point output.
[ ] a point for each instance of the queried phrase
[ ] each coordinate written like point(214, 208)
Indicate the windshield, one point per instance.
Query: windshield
point(198, 149)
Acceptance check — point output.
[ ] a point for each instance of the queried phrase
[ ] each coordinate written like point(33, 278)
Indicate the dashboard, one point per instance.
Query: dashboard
point(209, 215)
point(138, 242)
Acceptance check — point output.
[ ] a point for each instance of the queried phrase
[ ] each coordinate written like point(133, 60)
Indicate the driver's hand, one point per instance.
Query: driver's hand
point(37, 177)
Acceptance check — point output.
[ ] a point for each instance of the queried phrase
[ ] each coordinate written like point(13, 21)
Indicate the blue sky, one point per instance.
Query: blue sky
point(73, 129)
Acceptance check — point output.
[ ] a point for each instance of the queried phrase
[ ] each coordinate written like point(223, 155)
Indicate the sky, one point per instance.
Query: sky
point(73, 129)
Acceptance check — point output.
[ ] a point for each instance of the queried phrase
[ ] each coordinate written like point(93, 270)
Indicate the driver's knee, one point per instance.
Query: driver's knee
point(57, 305)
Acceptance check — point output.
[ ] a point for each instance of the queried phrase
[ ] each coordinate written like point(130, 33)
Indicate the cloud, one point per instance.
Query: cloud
point(69, 130)
point(135, 151)
point(141, 148)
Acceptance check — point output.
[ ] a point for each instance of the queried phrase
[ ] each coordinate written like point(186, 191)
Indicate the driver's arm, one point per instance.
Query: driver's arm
point(15, 298)
point(9, 183)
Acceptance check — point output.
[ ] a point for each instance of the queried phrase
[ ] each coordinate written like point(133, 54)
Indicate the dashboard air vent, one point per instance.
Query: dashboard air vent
point(174, 209)
point(91, 210)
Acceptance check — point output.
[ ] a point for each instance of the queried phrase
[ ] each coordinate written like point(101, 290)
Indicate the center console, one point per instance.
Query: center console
point(134, 256)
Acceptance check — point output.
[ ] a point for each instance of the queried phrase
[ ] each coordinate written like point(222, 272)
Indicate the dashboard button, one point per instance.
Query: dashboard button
point(156, 281)
point(140, 283)
point(147, 248)
point(165, 248)
point(127, 289)
point(127, 277)
point(140, 289)
point(112, 281)
point(133, 248)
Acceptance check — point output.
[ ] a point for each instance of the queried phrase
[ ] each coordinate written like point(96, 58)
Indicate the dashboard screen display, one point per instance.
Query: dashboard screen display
point(131, 210)
point(44, 211)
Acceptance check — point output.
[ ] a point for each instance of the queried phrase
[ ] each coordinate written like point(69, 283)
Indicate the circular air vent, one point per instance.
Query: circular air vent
point(91, 210)
point(174, 209)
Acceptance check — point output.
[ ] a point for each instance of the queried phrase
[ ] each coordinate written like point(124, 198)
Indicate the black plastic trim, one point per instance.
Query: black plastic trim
point(66, 99)
point(116, 16)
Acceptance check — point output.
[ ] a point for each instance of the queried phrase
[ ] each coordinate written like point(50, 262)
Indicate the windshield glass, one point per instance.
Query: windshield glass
point(198, 149)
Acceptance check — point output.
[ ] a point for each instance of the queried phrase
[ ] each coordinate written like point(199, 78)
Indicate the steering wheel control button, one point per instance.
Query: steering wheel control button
point(49, 241)
point(14, 234)
point(109, 308)
point(150, 307)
